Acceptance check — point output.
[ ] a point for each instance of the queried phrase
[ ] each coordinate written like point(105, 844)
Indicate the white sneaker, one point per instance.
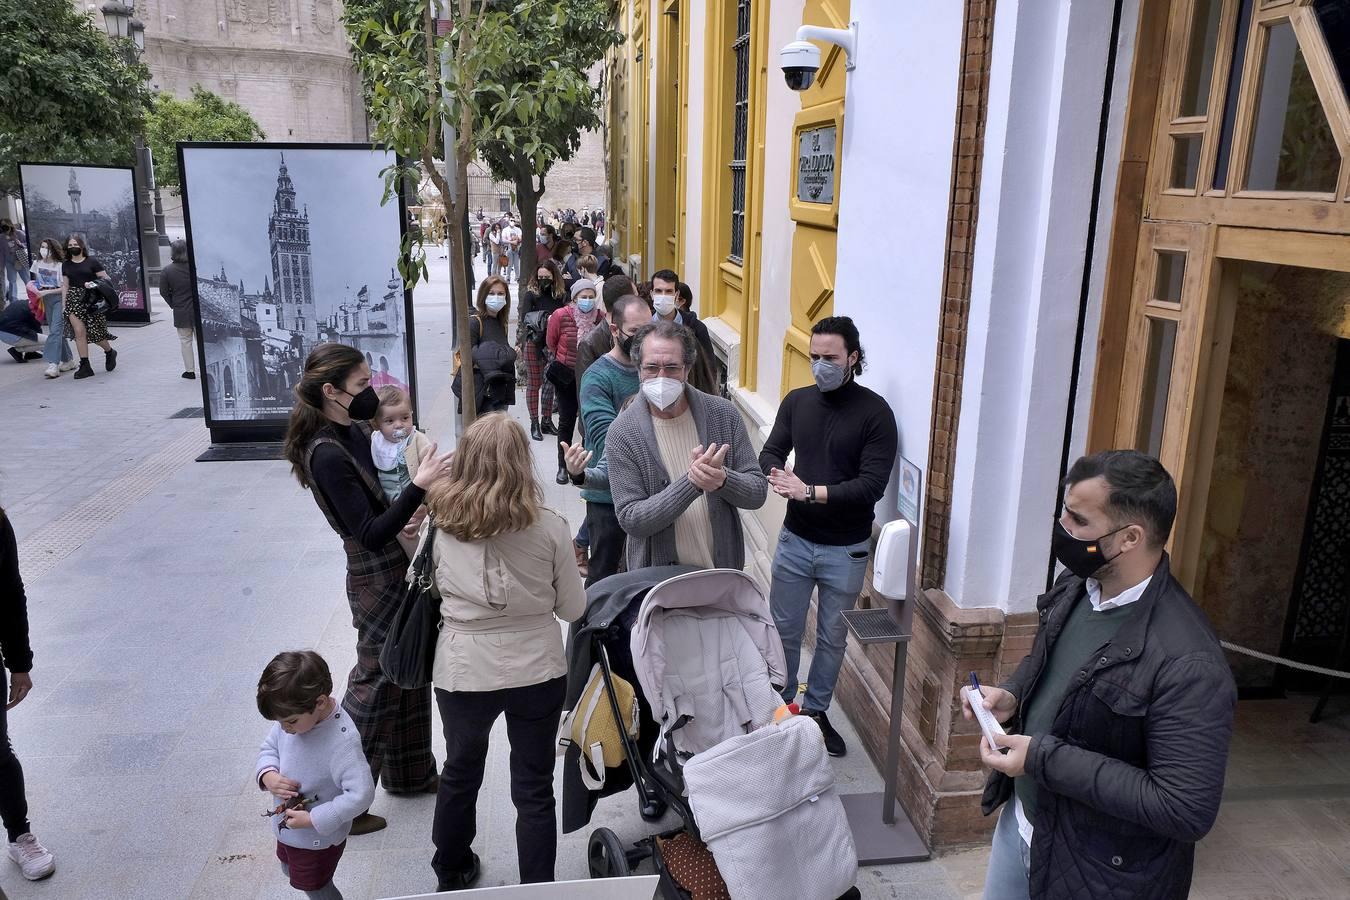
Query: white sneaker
point(35, 860)
point(52, 371)
point(67, 365)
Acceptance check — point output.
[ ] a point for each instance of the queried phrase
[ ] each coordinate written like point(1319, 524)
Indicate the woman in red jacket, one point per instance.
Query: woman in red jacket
point(566, 326)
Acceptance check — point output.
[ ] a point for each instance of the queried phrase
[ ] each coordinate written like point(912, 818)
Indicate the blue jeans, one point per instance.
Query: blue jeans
point(57, 349)
point(1008, 876)
point(12, 282)
point(836, 573)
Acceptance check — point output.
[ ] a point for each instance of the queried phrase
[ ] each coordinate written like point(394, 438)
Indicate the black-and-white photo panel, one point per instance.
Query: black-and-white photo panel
point(290, 247)
point(98, 203)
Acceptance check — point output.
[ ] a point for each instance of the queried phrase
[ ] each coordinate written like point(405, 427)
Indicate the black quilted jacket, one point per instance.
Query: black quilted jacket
point(1131, 772)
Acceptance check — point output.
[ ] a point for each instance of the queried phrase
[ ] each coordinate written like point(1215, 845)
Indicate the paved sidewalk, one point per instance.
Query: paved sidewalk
point(159, 587)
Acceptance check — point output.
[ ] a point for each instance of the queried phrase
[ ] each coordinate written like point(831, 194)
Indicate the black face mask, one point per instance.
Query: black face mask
point(546, 285)
point(626, 345)
point(1082, 558)
point(364, 405)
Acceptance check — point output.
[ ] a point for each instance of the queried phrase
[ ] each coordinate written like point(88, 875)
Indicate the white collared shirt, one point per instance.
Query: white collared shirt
point(1094, 592)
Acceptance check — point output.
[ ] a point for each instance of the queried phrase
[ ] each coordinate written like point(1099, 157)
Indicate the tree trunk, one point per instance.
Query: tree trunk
point(528, 199)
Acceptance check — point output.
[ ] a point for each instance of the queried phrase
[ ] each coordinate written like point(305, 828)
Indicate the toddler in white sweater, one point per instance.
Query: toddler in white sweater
point(312, 764)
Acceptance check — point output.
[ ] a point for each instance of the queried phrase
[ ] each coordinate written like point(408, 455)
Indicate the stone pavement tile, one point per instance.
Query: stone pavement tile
point(403, 873)
point(1307, 871)
point(151, 878)
point(232, 875)
point(125, 754)
point(217, 729)
point(206, 775)
point(1239, 887)
point(966, 869)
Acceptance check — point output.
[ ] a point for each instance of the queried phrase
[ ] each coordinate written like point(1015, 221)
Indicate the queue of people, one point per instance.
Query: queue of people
point(1106, 778)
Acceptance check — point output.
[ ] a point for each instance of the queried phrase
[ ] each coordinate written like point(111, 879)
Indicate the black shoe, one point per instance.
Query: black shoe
point(85, 370)
point(834, 743)
point(31, 356)
point(191, 376)
point(110, 360)
point(17, 356)
point(458, 881)
point(367, 823)
point(535, 433)
point(547, 427)
point(563, 477)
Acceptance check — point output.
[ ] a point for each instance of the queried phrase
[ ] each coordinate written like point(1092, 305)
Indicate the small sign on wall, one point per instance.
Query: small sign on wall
point(815, 165)
point(911, 478)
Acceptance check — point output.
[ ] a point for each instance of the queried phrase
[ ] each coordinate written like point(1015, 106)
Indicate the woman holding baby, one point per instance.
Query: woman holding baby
point(328, 443)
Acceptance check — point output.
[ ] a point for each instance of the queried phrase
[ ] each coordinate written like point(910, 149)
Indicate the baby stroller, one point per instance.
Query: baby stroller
point(743, 776)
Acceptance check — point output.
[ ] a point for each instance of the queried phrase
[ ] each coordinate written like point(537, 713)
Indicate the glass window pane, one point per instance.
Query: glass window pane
point(1244, 22)
point(1185, 161)
point(1171, 273)
point(1293, 148)
point(1162, 340)
point(1200, 58)
point(1334, 18)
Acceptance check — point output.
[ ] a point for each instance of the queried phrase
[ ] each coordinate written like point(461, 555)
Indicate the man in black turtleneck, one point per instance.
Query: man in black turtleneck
point(845, 440)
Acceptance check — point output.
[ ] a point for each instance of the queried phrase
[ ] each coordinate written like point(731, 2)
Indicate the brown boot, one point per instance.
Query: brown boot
point(367, 823)
point(583, 561)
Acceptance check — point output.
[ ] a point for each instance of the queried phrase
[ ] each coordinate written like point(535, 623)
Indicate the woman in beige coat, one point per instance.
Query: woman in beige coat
point(506, 574)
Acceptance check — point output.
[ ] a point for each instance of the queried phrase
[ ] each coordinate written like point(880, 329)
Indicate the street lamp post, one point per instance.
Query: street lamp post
point(120, 22)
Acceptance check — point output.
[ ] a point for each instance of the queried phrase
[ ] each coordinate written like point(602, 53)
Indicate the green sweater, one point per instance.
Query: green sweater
point(604, 388)
point(1085, 632)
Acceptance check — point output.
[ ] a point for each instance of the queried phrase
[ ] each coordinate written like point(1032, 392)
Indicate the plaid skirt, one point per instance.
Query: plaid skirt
point(395, 724)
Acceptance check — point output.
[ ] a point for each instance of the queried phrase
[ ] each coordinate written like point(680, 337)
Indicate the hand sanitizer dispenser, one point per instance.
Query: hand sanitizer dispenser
point(891, 575)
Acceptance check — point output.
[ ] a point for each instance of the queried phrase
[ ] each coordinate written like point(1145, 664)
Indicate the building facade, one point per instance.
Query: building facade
point(285, 61)
point(1060, 227)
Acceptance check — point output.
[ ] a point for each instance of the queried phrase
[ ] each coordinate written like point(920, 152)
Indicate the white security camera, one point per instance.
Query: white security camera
point(800, 60)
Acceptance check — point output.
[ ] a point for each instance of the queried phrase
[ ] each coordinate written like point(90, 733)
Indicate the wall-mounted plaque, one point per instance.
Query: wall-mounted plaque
point(815, 165)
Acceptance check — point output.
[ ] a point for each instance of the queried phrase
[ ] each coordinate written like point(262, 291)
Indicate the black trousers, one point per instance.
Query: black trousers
point(606, 541)
point(532, 715)
point(566, 398)
point(13, 800)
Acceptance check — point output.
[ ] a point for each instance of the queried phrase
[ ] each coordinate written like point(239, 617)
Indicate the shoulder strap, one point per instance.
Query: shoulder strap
point(372, 486)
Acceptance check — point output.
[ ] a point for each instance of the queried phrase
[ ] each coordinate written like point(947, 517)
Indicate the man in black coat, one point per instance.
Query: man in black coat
point(1119, 719)
point(21, 330)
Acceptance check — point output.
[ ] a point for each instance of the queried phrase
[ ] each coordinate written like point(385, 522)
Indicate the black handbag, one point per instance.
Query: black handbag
point(560, 374)
point(409, 649)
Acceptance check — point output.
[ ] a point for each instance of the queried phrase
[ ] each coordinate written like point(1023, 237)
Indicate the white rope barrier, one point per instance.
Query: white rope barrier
point(1279, 660)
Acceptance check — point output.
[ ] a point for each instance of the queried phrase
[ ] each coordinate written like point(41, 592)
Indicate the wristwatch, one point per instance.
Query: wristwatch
point(811, 494)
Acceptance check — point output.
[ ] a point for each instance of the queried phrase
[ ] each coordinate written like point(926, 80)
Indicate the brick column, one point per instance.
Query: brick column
point(940, 774)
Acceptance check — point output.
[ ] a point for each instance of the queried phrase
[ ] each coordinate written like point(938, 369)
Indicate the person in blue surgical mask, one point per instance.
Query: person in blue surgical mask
point(845, 441)
point(567, 326)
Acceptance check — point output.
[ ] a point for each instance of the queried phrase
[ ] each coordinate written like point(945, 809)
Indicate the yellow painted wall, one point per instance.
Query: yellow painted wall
point(815, 239)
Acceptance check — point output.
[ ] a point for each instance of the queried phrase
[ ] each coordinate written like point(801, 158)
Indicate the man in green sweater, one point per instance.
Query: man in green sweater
point(605, 387)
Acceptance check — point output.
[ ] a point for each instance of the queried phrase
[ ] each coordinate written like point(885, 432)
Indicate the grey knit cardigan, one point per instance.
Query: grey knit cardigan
point(646, 500)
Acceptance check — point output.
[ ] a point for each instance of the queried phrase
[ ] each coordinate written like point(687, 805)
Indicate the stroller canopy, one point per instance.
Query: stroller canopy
point(708, 657)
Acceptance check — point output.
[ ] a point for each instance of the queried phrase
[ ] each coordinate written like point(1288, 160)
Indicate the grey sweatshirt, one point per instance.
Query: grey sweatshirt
point(327, 761)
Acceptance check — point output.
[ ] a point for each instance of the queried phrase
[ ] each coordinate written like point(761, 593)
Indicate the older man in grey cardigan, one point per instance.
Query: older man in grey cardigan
point(680, 462)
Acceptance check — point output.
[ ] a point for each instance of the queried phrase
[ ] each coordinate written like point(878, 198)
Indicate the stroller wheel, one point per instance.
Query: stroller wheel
point(606, 856)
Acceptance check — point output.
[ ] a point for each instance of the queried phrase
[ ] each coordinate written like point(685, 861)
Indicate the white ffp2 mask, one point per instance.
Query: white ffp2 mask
point(662, 392)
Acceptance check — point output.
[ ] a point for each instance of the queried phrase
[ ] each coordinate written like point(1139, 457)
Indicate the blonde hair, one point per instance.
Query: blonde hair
point(588, 263)
point(491, 488)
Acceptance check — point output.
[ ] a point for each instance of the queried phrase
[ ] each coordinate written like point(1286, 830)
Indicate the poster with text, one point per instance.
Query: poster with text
point(98, 203)
point(290, 247)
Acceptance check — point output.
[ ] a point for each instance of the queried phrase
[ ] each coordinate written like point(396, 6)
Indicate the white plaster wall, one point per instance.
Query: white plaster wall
point(1040, 143)
point(894, 188)
point(775, 309)
point(693, 182)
